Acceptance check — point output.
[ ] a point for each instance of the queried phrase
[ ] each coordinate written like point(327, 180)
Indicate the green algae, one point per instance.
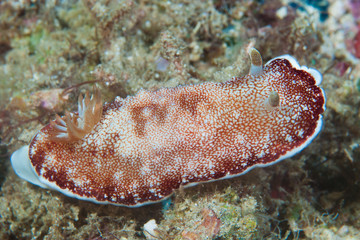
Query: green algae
point(237, 218)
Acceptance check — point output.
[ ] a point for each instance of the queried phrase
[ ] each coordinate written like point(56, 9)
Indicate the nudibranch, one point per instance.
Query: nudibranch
point(138, 150)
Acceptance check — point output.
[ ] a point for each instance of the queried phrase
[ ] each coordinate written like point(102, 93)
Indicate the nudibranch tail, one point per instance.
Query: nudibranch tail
point(73, 127)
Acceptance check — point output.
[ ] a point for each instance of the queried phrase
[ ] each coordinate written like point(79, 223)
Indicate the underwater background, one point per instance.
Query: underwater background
point(52, 51)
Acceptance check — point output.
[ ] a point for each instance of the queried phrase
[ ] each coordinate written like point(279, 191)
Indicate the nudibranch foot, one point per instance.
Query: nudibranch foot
point(22, 166)
point(138, 150)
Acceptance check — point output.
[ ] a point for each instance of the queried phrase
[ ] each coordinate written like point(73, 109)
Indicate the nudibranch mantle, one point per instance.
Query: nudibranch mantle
point(145, 146)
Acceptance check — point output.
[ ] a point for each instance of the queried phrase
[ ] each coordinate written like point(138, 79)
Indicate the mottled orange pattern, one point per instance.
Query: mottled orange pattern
point(146, 146)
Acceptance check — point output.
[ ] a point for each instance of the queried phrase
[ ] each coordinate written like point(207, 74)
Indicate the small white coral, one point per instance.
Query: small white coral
point(72, 126)
point(150, 230)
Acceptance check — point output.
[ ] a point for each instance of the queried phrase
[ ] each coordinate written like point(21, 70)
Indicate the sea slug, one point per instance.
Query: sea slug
point(138, 150)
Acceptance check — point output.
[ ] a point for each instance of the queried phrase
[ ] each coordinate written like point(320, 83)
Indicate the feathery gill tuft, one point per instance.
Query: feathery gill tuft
point(73, 127)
